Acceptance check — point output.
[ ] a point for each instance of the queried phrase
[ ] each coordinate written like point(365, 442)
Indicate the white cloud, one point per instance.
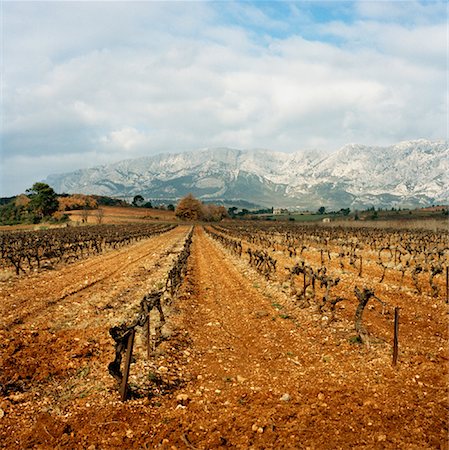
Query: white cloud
point(102, 82)
point(403, 11)
point(426, 44)
point(125, 139)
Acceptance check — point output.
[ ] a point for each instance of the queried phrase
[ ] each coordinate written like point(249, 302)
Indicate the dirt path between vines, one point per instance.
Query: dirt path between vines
point(41, 292)
point(238, 369)
point(264, 377)
point(54, 336)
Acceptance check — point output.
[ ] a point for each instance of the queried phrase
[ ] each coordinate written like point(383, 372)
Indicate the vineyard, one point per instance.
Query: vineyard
point(316, 263)
point(28, 250)
point(234, 335)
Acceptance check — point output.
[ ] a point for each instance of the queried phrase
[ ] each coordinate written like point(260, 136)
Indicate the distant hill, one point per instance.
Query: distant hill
point(408, 174)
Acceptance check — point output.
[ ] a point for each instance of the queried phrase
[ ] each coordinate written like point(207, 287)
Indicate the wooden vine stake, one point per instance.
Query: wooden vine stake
point(447, 284)
point(395, 338)
point(129, 354)
point(148, 337)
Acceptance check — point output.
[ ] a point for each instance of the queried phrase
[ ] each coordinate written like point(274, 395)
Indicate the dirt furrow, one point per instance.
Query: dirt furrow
point(259, 378)
point(417, 311)
point(240, 366)
point(243, 325)
point(60, 354)
point(30, 296)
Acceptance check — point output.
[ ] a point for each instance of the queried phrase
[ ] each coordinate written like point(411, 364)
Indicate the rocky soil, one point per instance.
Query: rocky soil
point(240, 366)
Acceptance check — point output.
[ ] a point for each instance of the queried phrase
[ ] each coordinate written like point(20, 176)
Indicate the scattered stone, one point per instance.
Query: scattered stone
point(320, 396)
point(240, 379)
point(129, 433)
point(183, 399)
point(16, 398)
point(2, 413)
point(381, 438)
point(162, 369)
point(285, 398)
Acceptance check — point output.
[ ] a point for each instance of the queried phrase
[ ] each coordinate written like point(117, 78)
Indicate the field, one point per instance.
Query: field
point(414, 218)
point(115, 214)
point(258, 346)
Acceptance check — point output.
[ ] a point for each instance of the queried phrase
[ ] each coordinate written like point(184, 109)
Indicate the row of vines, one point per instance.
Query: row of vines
point(123, 334)
point(314, 260)
point(25, 251)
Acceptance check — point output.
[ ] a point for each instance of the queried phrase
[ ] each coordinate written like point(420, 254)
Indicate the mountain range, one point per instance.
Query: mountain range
point(407, 174)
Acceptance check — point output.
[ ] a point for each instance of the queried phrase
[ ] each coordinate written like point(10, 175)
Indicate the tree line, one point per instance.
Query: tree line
point(39, 203)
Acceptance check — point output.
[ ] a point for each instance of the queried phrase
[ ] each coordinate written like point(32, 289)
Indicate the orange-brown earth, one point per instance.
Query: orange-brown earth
point(120, 214)
point(241, 365)
point(104, 214)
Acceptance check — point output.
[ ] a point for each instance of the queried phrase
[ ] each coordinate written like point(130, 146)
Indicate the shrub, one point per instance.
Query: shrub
point(190, 208)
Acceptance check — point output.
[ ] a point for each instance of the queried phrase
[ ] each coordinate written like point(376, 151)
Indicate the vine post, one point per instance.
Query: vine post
point(148, 336)
point(395, 337)
point(447, 284)
point(129, 354)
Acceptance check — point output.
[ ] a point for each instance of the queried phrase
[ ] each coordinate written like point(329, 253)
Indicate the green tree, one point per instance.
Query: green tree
point(138, 200)
point(321, 210)
point(43, 201)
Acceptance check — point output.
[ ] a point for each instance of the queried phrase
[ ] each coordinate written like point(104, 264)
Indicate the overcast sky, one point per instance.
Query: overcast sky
point(87, 83)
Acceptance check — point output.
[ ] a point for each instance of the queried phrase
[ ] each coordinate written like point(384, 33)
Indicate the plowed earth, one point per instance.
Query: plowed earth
point(240, 365)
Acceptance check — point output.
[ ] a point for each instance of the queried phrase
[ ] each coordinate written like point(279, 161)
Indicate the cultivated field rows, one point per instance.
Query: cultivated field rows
point(354, 262)
point(55, 340)
point(244, 361)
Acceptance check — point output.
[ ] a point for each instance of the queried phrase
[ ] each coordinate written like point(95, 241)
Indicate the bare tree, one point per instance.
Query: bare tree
point(85, 213)
point(99, 215)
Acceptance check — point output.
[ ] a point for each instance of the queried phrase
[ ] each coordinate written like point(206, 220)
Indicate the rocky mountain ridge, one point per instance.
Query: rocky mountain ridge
point(407, 174)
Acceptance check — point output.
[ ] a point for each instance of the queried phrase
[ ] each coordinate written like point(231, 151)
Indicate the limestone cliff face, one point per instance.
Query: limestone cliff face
point(411, 173)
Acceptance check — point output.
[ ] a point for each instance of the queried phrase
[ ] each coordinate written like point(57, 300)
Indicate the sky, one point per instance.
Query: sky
point(88, 83)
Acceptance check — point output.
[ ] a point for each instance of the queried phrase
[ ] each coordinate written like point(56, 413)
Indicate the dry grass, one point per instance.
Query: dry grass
point(118, 214)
